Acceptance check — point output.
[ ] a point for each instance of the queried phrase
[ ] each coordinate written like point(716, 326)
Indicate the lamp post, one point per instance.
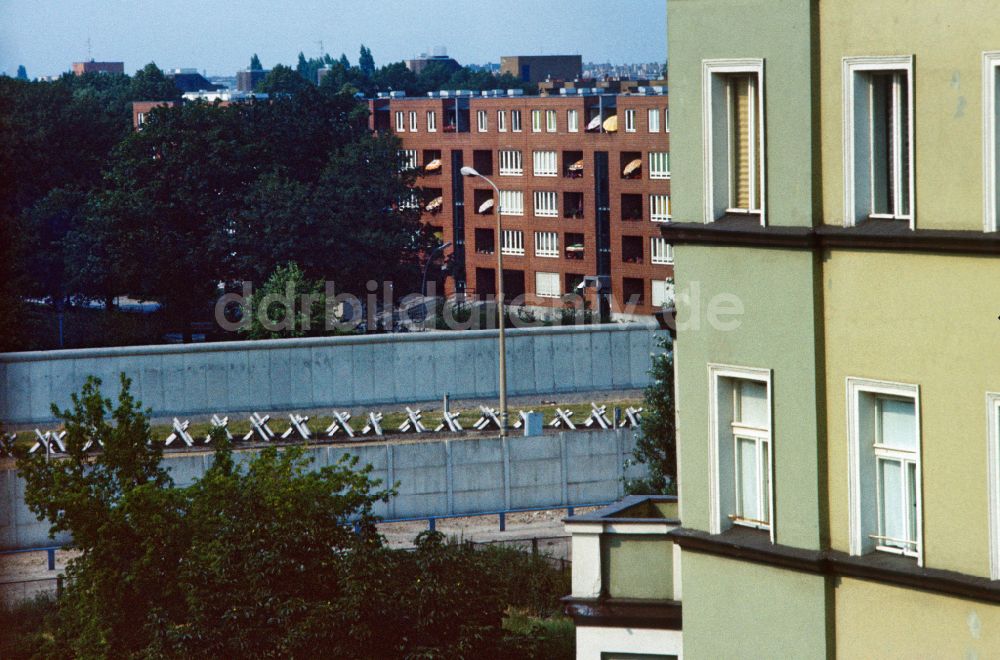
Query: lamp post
point(469, 171)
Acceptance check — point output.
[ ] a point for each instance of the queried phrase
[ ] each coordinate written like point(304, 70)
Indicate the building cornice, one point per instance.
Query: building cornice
point(624, 612)
point(876, 235)
point(895, 570)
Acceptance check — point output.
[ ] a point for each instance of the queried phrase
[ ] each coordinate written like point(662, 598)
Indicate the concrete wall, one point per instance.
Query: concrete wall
point(333, 371)
point(436, 477)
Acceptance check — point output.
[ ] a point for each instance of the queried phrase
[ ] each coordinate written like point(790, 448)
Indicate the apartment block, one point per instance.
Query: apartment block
point(837, 183)
point(90, 66)
point(584, 181)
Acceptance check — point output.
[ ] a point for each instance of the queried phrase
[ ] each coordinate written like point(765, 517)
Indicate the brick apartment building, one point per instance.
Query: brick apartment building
point(584, 180)
point(90, 66)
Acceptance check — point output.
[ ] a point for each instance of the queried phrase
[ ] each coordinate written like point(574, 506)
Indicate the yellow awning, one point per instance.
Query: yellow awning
point(611, 124)
point(433, 165)
point(577, 166)
point(435, 203)
point(486, 206)
point(632, 166)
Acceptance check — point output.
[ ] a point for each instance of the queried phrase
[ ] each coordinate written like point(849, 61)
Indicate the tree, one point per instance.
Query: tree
point(366, 62)
point(22, 73)
point(344, 62)
point(255, 63)
point(150, 84)
point(282, 80)
point(656, 440)
point(287, 305)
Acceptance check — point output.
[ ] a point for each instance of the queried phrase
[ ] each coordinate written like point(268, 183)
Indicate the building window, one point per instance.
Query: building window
point(993, 474)
point(536, 121)
point(663, 293)
point(140, 118)
point(659, 165)
point(878, 139)
point(653, 120)
point(659, 208)
point(510, 163)
point(409, 157)
point(515, 121)
point(991, 133)
point(512, 203)
point(550, 121)
point(740, 451)
point(545, 163)
point(481, 121)
point(546, 244)
point(661, 251)
point(666, 119)
point(630, 121)
point(400, 122)
point(546, 204)
point(502, 121)
point(513, 240)
point(413, 121)
point(432, 123)
point(884, 467)
point(572, 121)
point(733, 115)
point(547, 285)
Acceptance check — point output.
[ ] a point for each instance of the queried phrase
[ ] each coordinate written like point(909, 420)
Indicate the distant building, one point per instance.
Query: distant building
point(80, 68)
point(189, 80)
point(247, 80)
point(439, 55)
point(536, 68)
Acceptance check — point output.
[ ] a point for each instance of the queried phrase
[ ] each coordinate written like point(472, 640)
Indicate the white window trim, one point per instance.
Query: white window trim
point(993, 479)
point(413, 121)
point(711, 68)
point(630, 120)
point(991, 69)
point(659, 174)
point(572, 126)
point(553, 126)
point(852, 66)
point(482, 121)
point(400, 122)
point(432, 124)
point(501, 121)
point(855, 388)
point(716, 372)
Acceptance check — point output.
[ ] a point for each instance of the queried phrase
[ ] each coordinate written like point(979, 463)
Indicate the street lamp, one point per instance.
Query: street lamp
point(470, 171)
point(430, 258)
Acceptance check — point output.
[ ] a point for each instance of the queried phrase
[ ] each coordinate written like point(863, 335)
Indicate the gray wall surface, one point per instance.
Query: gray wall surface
point(309, 373)
point(436, 477)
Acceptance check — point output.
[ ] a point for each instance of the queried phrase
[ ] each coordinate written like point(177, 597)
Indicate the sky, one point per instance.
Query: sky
point(46, 36)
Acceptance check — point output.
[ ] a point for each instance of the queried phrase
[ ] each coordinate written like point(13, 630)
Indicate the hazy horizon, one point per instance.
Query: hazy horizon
point(220, 37)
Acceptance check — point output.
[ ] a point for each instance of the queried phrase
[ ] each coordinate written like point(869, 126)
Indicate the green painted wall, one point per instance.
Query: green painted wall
point(775, 331)
point(776, 30)
point(638, 566)
point(931, 320)
point(736, 609)
point(947, 39)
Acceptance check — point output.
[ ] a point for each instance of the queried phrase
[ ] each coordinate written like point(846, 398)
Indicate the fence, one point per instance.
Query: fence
point(326, 371)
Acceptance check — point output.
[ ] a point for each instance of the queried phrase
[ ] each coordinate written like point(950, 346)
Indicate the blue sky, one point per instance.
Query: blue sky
point(47, 35)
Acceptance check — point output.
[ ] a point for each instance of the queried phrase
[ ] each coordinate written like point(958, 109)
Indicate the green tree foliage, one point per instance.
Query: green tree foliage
point(267, 556)
point(255, 63)
point(366, 62)
point(656, 442)
point(150, 84)
point(282, 80)
point(22, 73)
point(288, 305)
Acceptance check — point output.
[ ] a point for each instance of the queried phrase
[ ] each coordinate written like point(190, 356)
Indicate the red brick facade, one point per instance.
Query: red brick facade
point(630, 226)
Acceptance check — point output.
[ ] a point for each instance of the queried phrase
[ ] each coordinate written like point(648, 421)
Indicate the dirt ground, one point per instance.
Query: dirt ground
point(25, 574)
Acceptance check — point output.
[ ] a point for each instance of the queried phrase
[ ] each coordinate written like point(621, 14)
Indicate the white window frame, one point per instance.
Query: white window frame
point(140, 119)
point(502, 121)
point(511, 162)
point(655, 207)
point(718, 520)
point(554, 277)
point(630, 120)
point(858, 180)
point(432, 124)
point(655, 173)
point(546, 204)
point(551, 121)
point(991, 87)
point(511, 202)
point(512, 242)
point(993, 478)
point(715, 133)
point(515, 121)
point(661, 252)
point(666, 118)
point(413, 121)
point(545, 163)
point(482, 122)
point(667, 287)
point(653, 120)
point(862, 496)
point(400, 121)
point(536, 121)
point(411, 159)
point(547, 244)
point(573, 121)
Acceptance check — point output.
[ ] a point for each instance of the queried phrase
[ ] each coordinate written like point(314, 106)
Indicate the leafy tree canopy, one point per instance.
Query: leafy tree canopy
point(656, 444)
point(255, 63)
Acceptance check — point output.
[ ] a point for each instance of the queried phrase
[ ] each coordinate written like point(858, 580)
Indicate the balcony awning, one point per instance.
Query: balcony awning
point(632, 166)
point(577, 166)
point(611, 124)
point(433, 165)
point(594, 124)
point(486, 206)
point(434, 203)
